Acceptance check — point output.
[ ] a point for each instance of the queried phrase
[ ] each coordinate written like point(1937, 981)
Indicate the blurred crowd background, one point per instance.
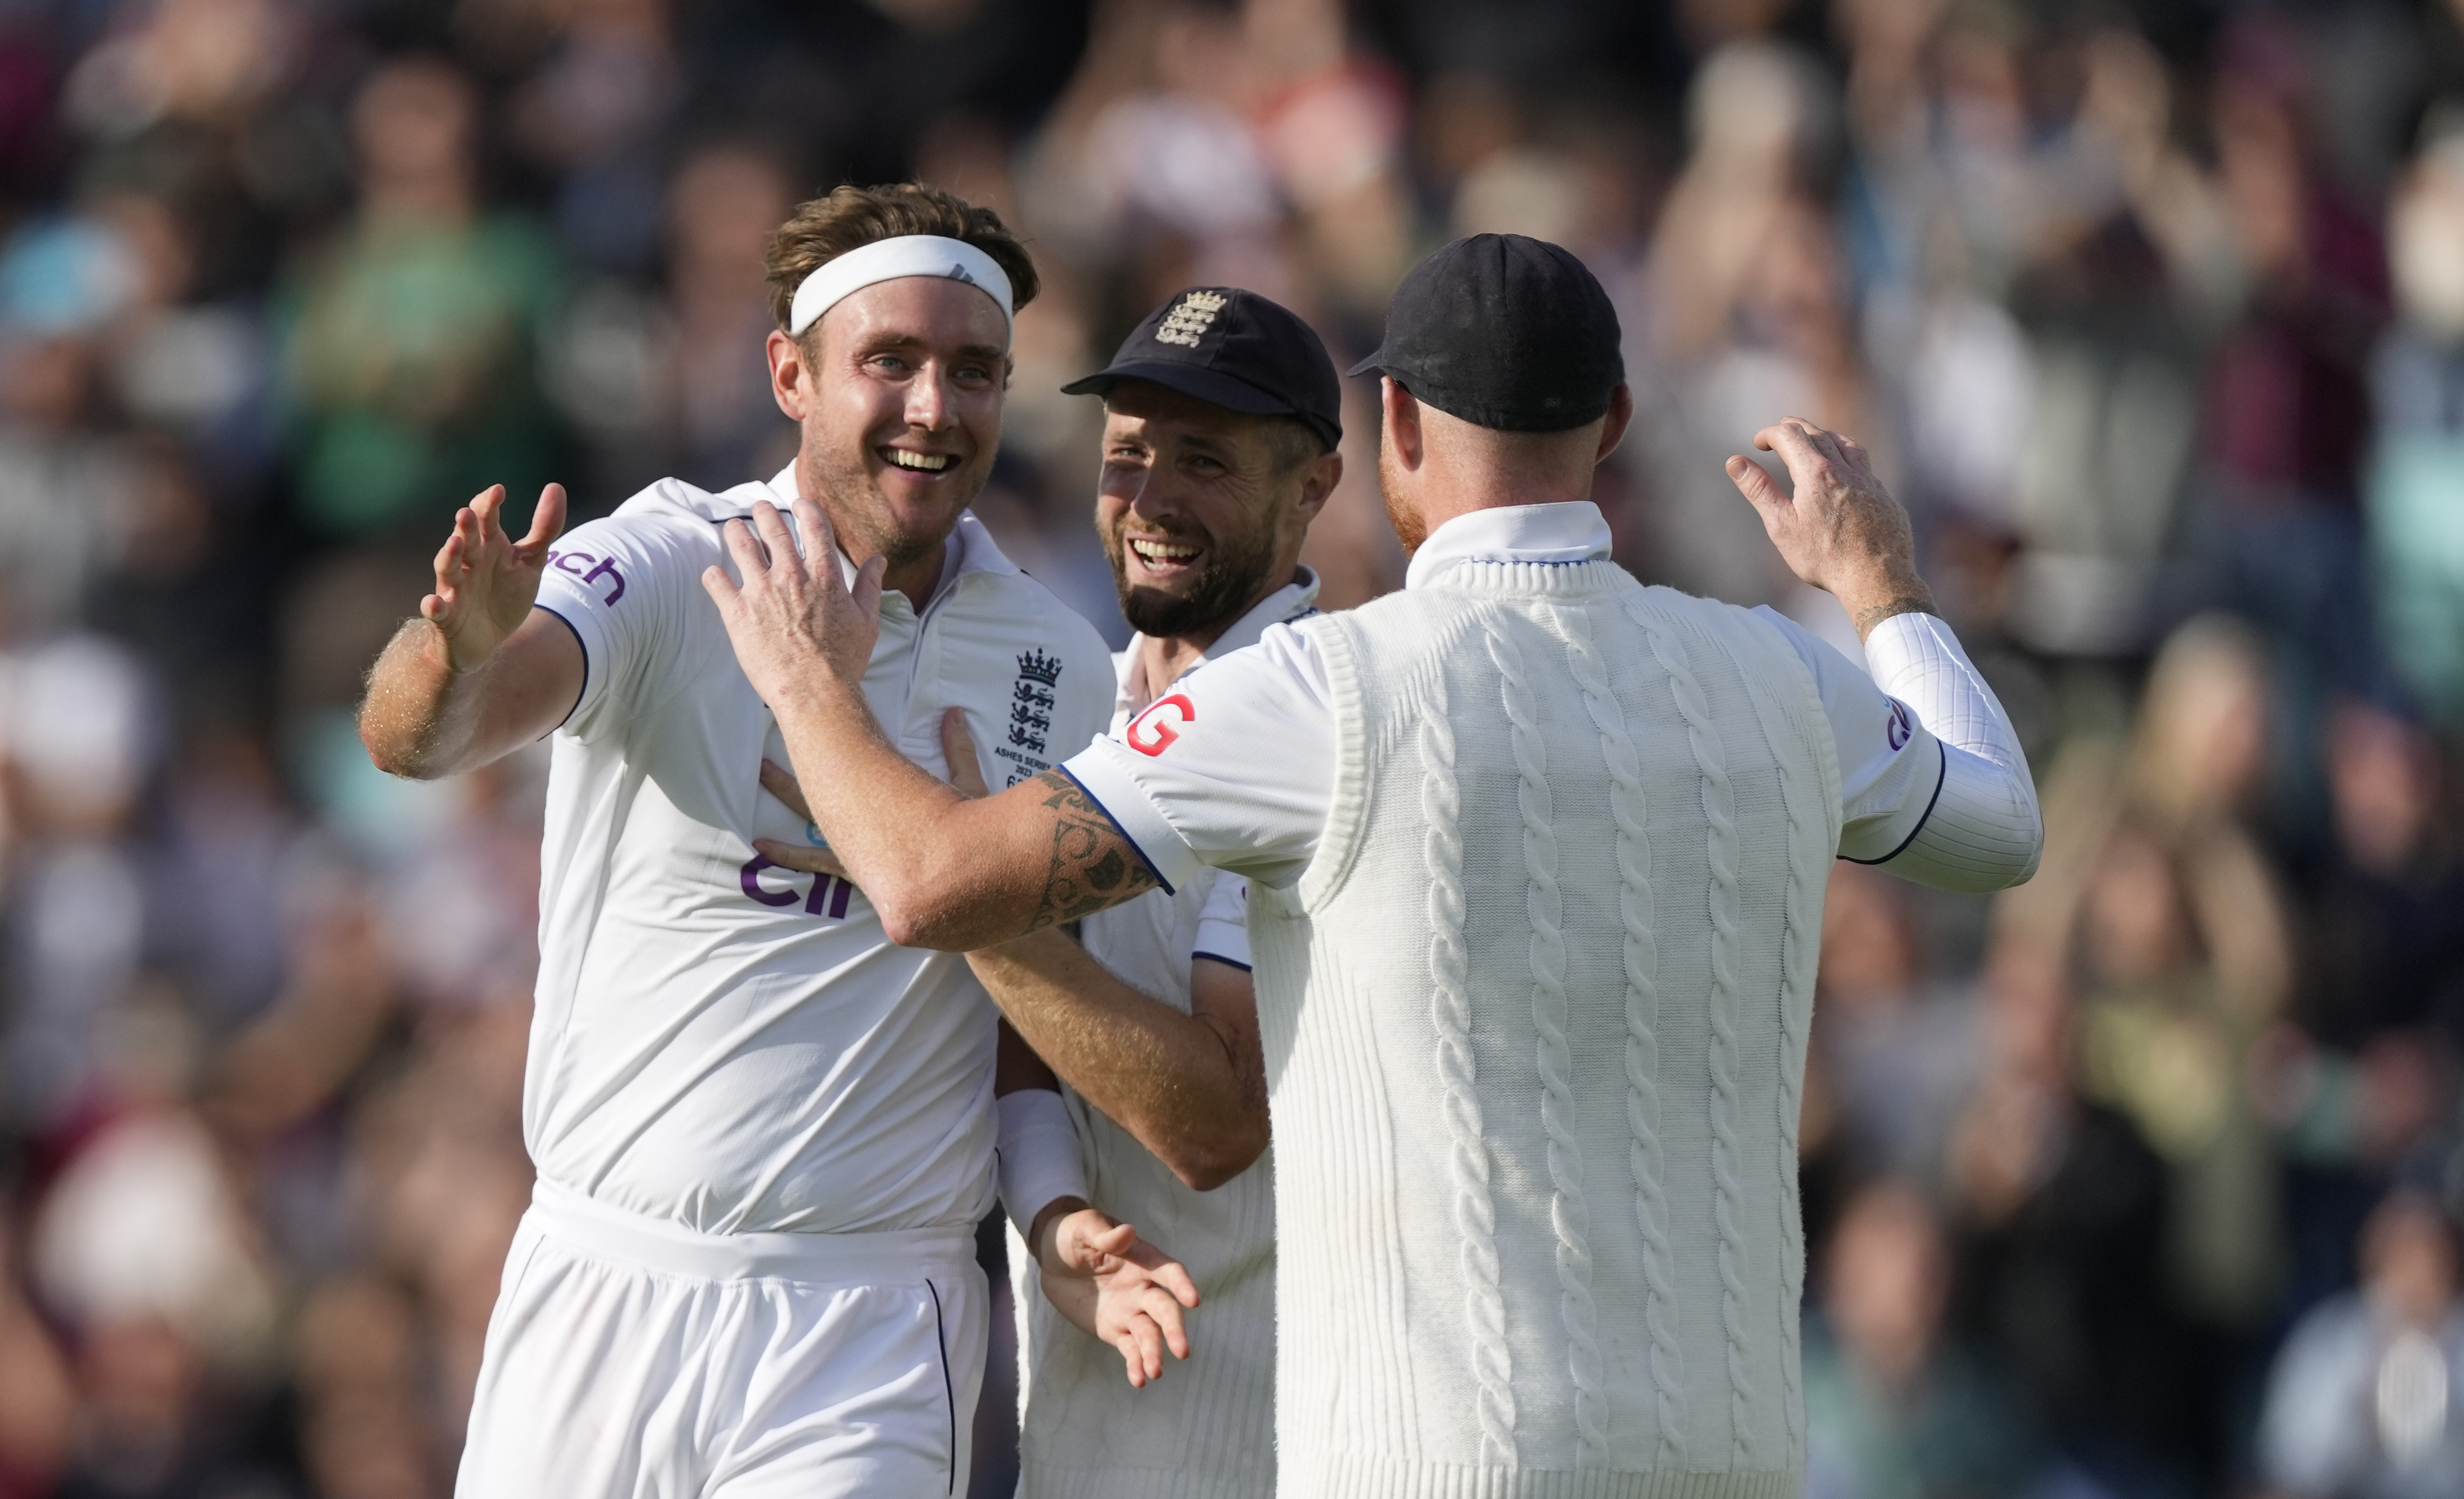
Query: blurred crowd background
point(2141, 1182)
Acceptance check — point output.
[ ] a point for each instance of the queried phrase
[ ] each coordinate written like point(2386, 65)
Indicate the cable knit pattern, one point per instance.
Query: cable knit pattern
point(1568, 845)
point(1720, 814)
point(1475, 1215)
point(1628, 806)
point(1800, 945)
point(1568, 1212)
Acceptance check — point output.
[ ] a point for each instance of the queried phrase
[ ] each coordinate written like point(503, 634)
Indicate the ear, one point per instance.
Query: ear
point(1317, 486)
point(789, 385)
point(1401, 411)
point(1613, 426)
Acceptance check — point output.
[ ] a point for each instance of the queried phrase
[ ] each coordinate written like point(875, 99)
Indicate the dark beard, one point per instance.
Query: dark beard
point(1227, 581)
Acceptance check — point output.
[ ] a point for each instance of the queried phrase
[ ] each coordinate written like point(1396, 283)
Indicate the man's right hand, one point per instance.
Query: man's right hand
point(486, 582)
point(1841, 530)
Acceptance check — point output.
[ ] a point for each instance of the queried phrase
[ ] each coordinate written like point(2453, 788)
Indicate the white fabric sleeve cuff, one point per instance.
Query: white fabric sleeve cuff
point(1984, 831)
point(1223, 922)
point(1036, 1152)
point(1100, 773)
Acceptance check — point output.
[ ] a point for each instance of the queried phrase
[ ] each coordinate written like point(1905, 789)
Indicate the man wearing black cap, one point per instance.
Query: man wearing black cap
point(1221, 417)
point(1538, 859)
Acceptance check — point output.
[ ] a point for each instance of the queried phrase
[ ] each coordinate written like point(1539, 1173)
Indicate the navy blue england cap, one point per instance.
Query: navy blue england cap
point(1231, 348)
point(1504, 331)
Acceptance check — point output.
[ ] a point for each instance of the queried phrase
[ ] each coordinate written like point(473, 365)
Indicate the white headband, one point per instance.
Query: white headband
point(889, 259)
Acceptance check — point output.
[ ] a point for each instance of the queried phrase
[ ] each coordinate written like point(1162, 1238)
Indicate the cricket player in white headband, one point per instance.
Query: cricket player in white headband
point(1223, 413)
point(1538, 859)
point(764, 1134)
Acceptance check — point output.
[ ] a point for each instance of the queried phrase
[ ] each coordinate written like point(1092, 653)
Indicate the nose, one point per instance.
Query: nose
point(1151, 495)
point(927, 399)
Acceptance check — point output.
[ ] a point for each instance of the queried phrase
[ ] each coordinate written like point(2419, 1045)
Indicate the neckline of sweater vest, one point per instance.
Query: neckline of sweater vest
point(1584, 579)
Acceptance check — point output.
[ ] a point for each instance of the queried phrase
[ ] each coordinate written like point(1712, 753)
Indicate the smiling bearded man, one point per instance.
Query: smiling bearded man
point(764, 1134)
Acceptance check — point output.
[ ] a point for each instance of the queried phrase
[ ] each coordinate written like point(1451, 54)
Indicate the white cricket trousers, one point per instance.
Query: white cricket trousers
point(631, 1358)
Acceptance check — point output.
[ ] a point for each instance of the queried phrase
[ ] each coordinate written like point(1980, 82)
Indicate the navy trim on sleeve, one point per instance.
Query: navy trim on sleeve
point(1218, 957)
point(1123, 832)
point(1939, 781)
point(586, 665)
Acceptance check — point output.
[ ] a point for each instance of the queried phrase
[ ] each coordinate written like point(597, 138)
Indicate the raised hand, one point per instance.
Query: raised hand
point(486, 582)
point(1119, 1288)
point(1842, 531)
point(795, 625)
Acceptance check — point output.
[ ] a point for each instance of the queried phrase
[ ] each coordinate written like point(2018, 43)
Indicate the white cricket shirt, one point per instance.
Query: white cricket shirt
point(1234, 767)
point(1208, 1431)
point(720, 1043)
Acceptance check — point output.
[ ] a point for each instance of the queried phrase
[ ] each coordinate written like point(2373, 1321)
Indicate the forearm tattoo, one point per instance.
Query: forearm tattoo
point(1867, 619)
point(1093, 865)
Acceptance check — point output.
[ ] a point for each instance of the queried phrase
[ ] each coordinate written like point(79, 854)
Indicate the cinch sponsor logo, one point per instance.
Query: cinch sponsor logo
point(1901, 727)
point(597, 567)
point(828, 897)
point(1150, 733)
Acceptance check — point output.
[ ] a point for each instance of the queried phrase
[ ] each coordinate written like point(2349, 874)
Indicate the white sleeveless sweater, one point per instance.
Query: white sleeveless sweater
point(1536, 1022)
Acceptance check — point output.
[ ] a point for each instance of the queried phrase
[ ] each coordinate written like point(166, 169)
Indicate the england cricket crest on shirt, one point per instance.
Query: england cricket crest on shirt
point(1030, 715)
point(1187, 322)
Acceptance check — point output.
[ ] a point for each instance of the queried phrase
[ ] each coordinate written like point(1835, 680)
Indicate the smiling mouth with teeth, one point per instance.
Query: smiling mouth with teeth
point(918, 462)
point(1161, 552)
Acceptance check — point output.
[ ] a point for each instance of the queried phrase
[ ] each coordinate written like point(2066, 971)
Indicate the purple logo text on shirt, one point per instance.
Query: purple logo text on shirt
point(1901, 726)
point(597, 567)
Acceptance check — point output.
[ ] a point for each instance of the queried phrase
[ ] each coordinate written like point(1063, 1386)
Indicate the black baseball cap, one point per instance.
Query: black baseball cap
point(1230, 348)
point(1504, 331)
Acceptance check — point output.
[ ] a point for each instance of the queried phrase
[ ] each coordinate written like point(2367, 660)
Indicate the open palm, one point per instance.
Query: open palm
point(486, 582)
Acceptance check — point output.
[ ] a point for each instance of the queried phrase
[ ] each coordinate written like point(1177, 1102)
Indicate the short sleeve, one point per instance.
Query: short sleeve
point(1234, 767)
point(614, 584)
point(1223, 922)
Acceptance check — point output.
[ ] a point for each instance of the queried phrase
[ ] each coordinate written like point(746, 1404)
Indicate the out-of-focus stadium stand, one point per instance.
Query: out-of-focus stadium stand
point(2139, 1182)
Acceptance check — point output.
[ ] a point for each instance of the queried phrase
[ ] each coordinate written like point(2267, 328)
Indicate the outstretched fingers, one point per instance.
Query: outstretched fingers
point(486, 514)
point(742, 544)
point(776, 539)
point(547, 523)
point(1162, 1270)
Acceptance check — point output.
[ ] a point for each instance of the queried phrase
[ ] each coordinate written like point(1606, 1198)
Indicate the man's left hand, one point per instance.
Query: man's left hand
point(795, 625)
point(1116, 1287)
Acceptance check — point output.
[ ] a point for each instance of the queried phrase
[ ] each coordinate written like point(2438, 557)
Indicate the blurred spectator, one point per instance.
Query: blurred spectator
point(409, 340)
point(2386, 909)
point(1745, 317)
point(678, 383)
point(2415, 476)
point(1892, 1411)
point(1898, 1054)
point(2366, 1401)
point(2063, 1210)
point(2153, 315)
point(592, 113)
point(37, 1400)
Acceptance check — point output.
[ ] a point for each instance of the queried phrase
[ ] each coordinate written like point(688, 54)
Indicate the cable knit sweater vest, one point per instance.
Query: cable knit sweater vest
point(1536, 1024)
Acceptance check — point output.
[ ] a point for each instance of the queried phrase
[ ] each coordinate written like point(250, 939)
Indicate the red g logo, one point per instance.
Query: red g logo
point(1150, 733)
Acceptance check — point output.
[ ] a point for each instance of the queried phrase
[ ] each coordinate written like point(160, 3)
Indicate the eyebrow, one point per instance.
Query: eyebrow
point(885, 343)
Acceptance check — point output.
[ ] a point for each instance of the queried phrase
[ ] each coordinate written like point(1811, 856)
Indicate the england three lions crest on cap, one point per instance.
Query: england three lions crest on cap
point(1188, 322)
